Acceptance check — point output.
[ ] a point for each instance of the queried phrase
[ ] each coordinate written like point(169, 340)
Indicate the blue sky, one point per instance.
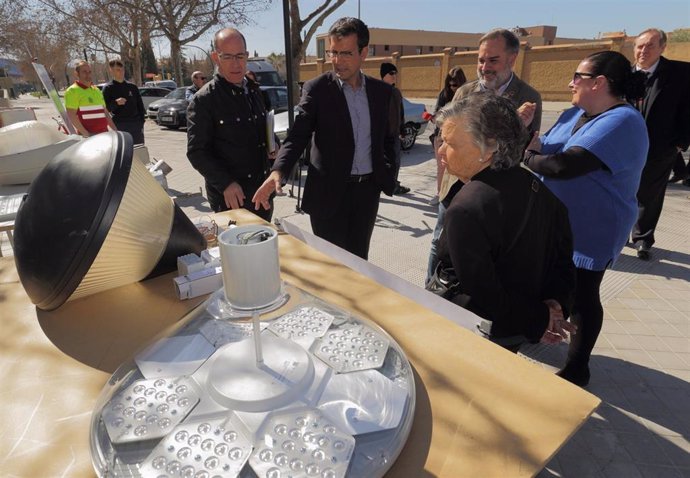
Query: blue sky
point(575, 18)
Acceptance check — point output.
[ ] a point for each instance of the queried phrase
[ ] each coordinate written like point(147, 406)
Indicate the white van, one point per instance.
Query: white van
point(266, 74)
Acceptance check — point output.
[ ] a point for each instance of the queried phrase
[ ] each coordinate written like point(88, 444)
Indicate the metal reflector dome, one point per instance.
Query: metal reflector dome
point(94, 220)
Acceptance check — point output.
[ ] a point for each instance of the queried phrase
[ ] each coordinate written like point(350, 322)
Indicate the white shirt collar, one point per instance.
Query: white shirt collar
point(651, 69)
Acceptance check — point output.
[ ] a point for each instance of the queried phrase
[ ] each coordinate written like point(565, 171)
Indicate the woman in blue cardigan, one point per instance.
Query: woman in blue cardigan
point(592, 159)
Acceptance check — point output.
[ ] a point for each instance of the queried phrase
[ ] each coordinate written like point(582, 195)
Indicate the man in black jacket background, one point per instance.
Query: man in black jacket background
point(226, 129)
point(124, 102)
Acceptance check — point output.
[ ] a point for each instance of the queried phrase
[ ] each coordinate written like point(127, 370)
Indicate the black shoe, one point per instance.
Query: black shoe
point(576, 375)
point(677, 178)
point(686, 183)
point(400, 189)
point(643, 251)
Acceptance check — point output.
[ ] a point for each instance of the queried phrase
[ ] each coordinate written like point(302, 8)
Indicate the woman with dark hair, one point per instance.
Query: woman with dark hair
point(506, 236)
point(592, 159)
point(454, 80)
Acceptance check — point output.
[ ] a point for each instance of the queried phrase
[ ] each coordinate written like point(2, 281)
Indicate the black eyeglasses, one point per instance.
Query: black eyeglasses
point(230, 56)
point(343, 55)
point(578, 75)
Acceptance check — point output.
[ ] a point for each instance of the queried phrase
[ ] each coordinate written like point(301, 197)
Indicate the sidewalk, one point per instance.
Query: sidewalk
point(641, 364)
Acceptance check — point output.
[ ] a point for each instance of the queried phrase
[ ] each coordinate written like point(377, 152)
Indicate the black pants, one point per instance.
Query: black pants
point(587, 315)
point(135, 128)
point(650, 198)
point(353, 223)
point(680, 169)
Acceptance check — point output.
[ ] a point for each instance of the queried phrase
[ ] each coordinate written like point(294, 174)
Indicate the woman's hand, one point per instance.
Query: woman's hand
point(559, 327)
point(526, 113)
point(535, 144)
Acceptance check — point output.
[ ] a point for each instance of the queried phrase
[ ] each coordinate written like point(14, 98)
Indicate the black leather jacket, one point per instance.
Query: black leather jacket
point(226, 136)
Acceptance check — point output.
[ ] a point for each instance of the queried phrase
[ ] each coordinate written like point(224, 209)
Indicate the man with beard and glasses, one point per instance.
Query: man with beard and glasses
point(498, 50)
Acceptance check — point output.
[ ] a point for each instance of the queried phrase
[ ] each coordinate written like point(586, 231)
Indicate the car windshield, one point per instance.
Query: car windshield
point(178, 94)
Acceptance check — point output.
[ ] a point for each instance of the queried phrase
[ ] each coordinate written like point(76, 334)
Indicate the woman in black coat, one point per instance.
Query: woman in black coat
point(506, 236)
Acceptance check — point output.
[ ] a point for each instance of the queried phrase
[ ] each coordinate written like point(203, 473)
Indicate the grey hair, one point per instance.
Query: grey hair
point(662, 35)
point(511, 40)
point(493, 123)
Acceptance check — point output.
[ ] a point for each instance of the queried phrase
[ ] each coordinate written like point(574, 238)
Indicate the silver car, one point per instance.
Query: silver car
point(149, 94)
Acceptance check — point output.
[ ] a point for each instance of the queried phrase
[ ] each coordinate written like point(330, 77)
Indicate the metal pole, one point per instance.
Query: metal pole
point(290, 89)
point(358, 10)
point(288, 63)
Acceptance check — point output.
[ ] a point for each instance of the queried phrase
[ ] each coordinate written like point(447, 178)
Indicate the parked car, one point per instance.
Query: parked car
point(149, 94)
point(169, 84)
point(170, 111)
point(414, 125)
point(276, 98)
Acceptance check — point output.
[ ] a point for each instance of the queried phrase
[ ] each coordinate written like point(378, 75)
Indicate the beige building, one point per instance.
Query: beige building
point(386, 41)
point(547, 67)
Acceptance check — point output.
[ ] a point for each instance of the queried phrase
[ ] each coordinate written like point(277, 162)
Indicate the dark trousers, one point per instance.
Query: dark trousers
point(650, 198)
point(680, 169)
point(135, 128)
point(353, 223)
point(587, 315)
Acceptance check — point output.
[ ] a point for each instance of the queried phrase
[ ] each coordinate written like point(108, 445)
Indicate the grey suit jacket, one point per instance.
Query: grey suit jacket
point(518, 92)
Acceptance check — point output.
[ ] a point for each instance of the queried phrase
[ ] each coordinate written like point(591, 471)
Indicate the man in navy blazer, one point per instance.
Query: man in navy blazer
point(666, 110)
point(348, 116)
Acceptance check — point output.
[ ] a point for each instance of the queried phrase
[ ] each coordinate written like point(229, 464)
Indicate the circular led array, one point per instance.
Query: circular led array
point(348, 349)
point(303, 322)
point(148, 409)
point(202, 449)
point(301, 443)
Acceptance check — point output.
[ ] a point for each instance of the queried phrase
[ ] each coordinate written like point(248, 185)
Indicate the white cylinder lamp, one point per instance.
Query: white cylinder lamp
point(251, 270)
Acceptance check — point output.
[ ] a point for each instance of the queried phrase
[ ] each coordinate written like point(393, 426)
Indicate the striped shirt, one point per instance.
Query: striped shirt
point(90, 106)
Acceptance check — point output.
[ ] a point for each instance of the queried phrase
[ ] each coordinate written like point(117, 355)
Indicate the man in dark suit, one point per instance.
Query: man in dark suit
point(351, 119)
point(666, 109)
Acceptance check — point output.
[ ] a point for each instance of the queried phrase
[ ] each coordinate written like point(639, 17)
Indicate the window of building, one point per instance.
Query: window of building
point(418, 50)
point(386, 47)
point(372, 51)
point(431, 49)
point(321, 48)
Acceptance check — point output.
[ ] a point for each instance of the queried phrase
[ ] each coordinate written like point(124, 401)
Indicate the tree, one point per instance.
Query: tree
point(148, 59)
point(111, 27)
point(278, 62)
point(184, 21)
point(299, 45)
point(679, 35)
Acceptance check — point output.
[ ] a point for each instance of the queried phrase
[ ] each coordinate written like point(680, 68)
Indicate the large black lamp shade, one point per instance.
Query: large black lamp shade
point(93, 220)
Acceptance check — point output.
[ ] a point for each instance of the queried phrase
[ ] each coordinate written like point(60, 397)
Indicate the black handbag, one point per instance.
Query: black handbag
point(443, 281)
